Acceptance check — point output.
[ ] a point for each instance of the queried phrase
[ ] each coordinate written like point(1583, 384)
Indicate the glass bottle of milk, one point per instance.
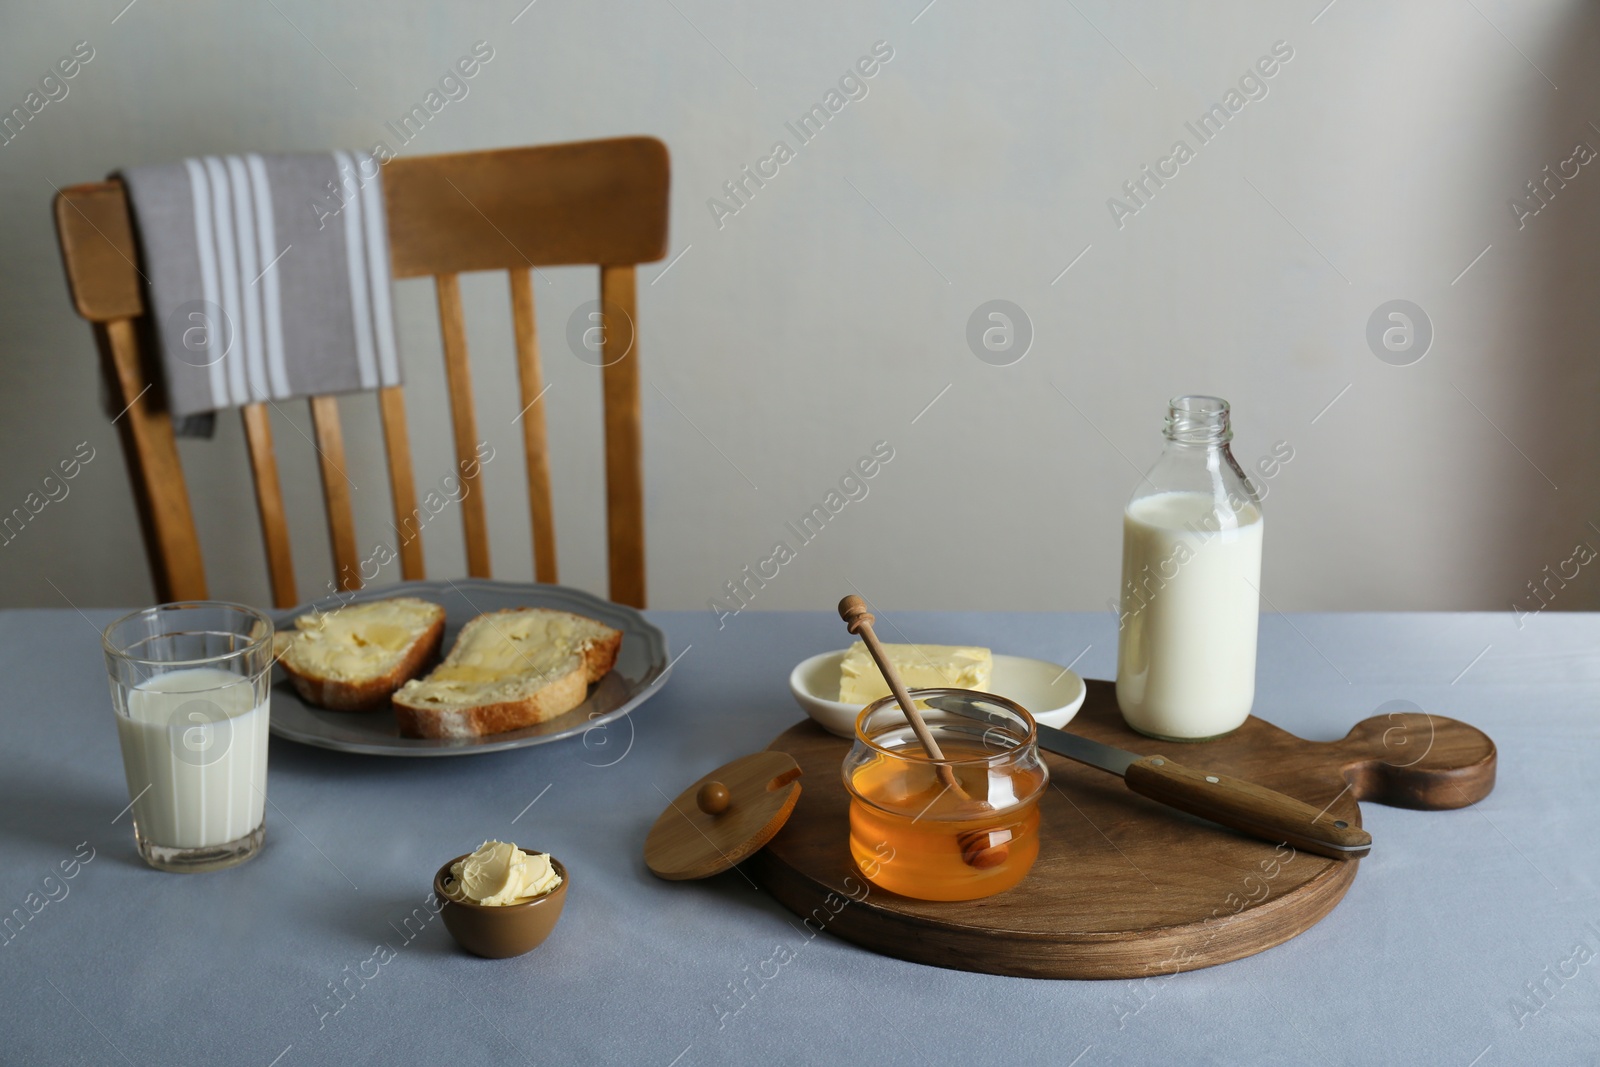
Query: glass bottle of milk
point(1191, 575)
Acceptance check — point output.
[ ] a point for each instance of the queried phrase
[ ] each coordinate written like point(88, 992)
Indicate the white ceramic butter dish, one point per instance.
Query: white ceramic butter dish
point(1050, 692)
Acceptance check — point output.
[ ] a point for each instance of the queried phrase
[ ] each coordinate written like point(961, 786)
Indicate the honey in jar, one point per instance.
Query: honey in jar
point(920, 832)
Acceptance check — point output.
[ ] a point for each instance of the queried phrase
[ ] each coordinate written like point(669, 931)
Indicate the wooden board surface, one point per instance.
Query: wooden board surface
point(1125, 887)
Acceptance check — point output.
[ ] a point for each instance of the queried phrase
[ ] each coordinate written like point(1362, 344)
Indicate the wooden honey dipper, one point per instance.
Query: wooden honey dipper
point(979, 848)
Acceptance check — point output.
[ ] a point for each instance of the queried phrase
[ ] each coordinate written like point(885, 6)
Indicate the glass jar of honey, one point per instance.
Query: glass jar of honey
point(958, 828)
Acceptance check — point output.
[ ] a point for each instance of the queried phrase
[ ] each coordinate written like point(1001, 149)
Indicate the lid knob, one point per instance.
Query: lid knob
point(713, 798)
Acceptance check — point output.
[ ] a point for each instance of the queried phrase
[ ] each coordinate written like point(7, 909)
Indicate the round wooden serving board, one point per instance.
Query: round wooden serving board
point(1125, 887)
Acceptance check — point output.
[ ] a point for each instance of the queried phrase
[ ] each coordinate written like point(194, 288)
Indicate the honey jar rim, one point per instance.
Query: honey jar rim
point(1031, 740)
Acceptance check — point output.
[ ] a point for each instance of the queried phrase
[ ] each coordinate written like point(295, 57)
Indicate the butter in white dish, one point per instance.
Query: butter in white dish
point(500, 873)
point(919, 666)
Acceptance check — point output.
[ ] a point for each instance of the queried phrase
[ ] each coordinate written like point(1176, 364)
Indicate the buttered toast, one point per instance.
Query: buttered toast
point(508, 669)
point(354, 657)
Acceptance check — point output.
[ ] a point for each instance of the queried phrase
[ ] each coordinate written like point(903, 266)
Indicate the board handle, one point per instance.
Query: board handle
point(1409, 759)
point(1247, 807)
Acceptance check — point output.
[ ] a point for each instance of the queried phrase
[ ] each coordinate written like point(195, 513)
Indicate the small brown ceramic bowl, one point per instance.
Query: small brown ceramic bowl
point(501, 931)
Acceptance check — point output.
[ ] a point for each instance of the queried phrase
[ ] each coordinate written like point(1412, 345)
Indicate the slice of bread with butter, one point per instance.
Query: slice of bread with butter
point(507, 670)
point(354, 657)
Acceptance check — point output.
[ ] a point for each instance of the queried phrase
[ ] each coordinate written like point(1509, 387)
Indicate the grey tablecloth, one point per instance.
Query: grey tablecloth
point(1467, 938)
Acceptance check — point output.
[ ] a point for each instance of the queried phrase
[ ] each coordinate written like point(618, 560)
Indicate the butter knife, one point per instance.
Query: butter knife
point(1235, 803)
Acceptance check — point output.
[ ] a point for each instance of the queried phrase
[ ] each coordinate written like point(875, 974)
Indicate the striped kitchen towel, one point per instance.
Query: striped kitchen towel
point(268, 278)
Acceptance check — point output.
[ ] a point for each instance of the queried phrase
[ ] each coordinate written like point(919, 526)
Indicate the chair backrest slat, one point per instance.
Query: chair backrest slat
point(464, 420)
point(624, 441)
point(402, 487)
point(171, 541)
point(336, 491)
point(96, 236)
point(98, 251)
point(535, 445)
point(269, 504)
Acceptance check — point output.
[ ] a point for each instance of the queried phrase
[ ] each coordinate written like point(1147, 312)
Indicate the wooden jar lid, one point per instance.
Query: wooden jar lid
point(724, 817)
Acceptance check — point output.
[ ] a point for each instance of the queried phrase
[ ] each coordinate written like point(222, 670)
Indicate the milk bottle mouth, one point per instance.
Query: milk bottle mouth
point(1198, 420)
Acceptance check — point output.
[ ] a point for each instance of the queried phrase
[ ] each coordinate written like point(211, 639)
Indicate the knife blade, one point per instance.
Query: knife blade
point(1240, 805)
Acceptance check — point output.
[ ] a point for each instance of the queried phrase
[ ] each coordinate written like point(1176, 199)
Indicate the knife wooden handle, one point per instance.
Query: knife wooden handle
point(1249, 808)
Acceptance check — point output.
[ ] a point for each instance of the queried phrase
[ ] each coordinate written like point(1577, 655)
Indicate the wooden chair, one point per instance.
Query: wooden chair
point(594, 202)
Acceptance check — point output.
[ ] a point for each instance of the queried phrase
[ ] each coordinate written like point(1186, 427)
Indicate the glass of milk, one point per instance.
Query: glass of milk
point(190, 684)
point(1191, 578)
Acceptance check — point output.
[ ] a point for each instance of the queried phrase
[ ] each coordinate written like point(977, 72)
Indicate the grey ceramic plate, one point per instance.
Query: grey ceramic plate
point(641, 669)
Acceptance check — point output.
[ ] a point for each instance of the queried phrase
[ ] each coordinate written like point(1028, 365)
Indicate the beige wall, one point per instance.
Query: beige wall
point(827, 312)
